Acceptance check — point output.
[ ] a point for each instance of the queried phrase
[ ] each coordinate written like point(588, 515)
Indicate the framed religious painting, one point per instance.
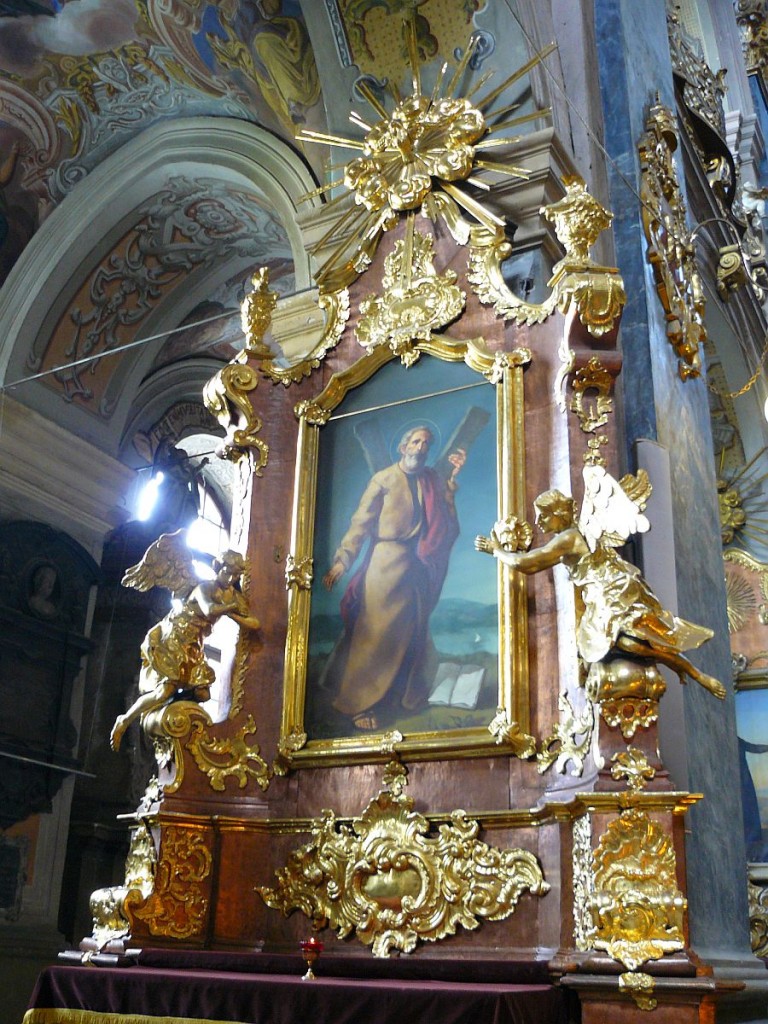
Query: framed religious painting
point(400, 634)
point(746, 587)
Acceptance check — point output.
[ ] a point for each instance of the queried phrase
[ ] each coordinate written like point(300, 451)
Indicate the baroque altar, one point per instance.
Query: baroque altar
point(424, 750)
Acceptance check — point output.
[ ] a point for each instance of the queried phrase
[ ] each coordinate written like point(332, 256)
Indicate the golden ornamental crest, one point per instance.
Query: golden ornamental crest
point(388, 880)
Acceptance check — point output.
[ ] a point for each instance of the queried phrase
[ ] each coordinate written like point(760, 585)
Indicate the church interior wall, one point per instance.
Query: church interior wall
point(73, 467)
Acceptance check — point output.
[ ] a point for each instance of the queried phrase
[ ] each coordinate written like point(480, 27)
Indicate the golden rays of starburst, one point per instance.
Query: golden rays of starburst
point(740, 601)
point(421, 154)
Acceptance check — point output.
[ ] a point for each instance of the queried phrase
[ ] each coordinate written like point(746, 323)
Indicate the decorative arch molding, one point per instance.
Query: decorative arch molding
point(100, 206)
point(168, 386)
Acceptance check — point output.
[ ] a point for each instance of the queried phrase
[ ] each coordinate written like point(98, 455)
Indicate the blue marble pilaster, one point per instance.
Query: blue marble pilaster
point(635, 67)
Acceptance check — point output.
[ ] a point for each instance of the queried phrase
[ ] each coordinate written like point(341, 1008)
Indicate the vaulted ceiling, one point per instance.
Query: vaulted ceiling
point(149, 163)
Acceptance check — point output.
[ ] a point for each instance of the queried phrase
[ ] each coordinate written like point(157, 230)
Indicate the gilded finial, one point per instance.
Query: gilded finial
point(257, 310)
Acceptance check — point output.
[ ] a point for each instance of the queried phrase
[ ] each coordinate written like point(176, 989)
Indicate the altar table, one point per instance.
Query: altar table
point(170, 988)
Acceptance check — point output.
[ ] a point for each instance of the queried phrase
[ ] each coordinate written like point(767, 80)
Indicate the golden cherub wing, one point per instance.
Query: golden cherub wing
point(166, 563)
point(611, 512)
point(637, 487)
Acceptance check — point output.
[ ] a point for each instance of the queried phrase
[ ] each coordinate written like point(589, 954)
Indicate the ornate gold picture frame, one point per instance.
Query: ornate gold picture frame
point(390, 642)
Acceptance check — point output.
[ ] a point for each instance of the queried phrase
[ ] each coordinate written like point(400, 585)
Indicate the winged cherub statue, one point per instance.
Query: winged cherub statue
point(619, 613)
point(172, 655)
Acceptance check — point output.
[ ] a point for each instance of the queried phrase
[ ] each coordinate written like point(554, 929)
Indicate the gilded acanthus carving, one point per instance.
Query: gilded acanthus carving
point(178, 906)
point(563, 744)
point(226, 395)
point(596, 292)
point(335, 308)
point(393, 883)
point(670, 244)
point(414, 299)
point(592, 402)
point(508, 733)
point(636, 908)
point(110, 921)
point(221, 759)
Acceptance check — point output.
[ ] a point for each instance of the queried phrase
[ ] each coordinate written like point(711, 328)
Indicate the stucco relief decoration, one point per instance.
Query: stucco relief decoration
point(393, 883)
point(375, 43)
point(670, 245)
point(190, 225)
point(78, 81)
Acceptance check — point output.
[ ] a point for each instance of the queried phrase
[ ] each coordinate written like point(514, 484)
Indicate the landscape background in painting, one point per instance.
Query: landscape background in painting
point(752, 729)
point(464, 624)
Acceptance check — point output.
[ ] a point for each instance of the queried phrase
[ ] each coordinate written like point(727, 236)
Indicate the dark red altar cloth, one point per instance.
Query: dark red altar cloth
point(150, 995)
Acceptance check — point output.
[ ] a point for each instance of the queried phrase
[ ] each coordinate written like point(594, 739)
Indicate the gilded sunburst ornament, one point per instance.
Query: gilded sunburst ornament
point(740, 601)
point(419, 155)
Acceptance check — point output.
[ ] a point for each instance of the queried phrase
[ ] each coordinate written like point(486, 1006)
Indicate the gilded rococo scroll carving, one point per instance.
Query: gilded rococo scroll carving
point(108, 906)
point(178, 904)
point(596, 292)
point(670, 244)
point(392, 882)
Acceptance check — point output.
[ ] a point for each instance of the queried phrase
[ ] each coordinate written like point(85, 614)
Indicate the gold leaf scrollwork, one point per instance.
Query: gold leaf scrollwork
point(298, 572)
point(636, 908)
point(221, 758)
point(592, 401)
point(583, 880)
point(632, 765)
point(670, 244)
point(596, 292)
point(314, 414)
point(287, 747)
point(731, 271)
point(168, 727)
point(387, 879)
point(110, 920)
point(178, 906)
point(335, 306)
point(226, 396)
point(509, 734)
point(563, 744)
point(415, 300)
point(487, 252)
point(640, 986)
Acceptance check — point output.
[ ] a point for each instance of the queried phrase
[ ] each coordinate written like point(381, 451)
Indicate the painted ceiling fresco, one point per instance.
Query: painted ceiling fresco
point(186, 229)
point(376, 41)
point(80, 78)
